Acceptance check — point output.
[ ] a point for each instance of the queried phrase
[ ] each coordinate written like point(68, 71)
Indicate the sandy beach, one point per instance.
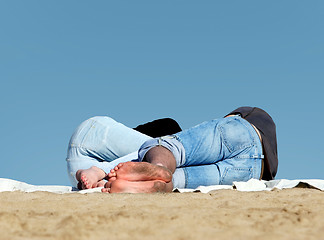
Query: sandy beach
point(224, 214)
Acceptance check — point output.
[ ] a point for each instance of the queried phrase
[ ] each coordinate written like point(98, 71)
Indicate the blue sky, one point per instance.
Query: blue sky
point(62, 62)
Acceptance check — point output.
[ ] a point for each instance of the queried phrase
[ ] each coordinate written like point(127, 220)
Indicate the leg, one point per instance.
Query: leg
point(222, 173)
point(97, 142)
point(161, 156)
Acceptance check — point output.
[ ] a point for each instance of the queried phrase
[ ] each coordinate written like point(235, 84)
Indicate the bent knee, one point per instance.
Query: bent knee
point(103, 119)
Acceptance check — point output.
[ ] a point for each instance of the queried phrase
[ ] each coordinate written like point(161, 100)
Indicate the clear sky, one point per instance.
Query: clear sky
point(62, 62)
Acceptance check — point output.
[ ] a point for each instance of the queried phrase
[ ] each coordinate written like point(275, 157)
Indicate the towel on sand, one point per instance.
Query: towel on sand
point(251, 185)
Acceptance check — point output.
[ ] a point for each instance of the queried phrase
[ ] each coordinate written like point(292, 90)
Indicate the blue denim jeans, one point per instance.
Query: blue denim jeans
point(215, 152)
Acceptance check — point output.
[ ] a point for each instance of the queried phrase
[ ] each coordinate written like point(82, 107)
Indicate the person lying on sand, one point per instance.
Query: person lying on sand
point(215, 152)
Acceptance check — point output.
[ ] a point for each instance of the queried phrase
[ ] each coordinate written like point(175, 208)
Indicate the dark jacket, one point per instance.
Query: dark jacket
point(159, 127)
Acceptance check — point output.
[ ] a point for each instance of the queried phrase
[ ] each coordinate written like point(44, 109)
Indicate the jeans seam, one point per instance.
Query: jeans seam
point(186, 177)
point(248, 169)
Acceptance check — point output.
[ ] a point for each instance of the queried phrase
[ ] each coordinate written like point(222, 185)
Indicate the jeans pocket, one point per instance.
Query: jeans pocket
point(232, 174)
point(236, 136)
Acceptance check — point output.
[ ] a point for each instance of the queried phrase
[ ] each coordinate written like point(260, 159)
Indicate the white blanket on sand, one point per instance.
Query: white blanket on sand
point(251, 185)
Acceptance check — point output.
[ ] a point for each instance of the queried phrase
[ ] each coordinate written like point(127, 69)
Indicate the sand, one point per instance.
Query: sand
point(224, 214)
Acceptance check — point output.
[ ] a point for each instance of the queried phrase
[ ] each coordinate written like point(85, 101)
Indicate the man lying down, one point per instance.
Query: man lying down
point(238, 147)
